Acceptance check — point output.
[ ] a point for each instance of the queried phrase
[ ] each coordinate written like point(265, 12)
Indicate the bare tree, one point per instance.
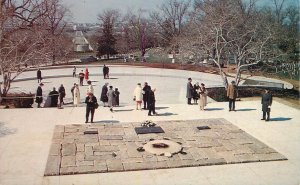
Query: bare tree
point(170, 19)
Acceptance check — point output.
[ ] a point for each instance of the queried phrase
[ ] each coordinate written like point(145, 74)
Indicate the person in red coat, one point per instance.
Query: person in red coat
point(86, 75)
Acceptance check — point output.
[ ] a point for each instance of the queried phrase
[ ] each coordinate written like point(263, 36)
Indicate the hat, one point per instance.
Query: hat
point(189, 78)
point(139, 83)
point(41, 84)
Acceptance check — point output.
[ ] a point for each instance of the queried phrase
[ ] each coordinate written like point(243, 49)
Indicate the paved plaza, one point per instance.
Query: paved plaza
point(28, 136)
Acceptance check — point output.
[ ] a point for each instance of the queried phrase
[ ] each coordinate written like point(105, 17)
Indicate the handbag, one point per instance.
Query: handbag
point(96, 105)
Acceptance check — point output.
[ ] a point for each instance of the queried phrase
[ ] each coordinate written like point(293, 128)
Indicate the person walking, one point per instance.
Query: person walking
point(76, 100)
point(39, 75)
point(117, 97)
point(146, 90)
point(54, 97)
point(39, 95)
point(103, 96)
point(151, 101)
point(81, 77)
point(196, 92)
point(74, 71)
point(138, 96)
point(203, 96)
point(91, 104)
point(232, 95)
point(189, 91)
point(266, 101)
point(90, 88)
point(62, 95)
point(111, 96)
point(86, 74)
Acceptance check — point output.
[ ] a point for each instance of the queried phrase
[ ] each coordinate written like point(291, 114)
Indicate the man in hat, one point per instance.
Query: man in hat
point(189, 91)
point(146, 90)
point(232, 95)
point(39, 95)
point(39, 75)
point(266, 101)
point(91, 103)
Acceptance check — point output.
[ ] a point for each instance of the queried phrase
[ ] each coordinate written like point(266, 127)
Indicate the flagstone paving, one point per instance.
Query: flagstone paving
point(113, 147)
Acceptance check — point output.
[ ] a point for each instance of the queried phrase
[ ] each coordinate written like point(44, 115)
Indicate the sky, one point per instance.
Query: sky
point(86, 11)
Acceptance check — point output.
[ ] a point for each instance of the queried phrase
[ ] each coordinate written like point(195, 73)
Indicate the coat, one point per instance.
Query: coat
point(151, 99)
point(76, 96)
point(232, 92)
point(146, 90)
point(111, 97)
point(203, 97)
point(62, 91)
point(54, 98)
point(86, 75)
point(104, 97)
point(39, 95)
point(266, 101)
point(39, 74)
point(138, 93)
point(195, 92)
point(189, 90)
point(91, 103)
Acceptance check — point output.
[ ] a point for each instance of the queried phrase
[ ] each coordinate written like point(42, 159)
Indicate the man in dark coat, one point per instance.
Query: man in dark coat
point(232, 95)
point(266, 102)
point(104, 97)
point(81, 77)
point(146, 90)
point(62, 94)
point(39, 95)
point(151, 102)
point(105, 72)
point(91, 103)
point(54, 97)
point(39, 75)
point(189, 91)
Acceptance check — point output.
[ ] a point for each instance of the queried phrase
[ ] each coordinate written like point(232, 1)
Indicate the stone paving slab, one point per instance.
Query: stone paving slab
point(114, 147)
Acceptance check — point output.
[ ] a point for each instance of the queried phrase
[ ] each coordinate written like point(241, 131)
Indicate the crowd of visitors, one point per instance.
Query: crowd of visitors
point(196, 92)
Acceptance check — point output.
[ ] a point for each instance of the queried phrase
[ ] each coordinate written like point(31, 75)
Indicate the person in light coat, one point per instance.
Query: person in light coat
point(90, 88)
point(203, 96)
point(76, 96)
point(138, 96)
point(111, 96)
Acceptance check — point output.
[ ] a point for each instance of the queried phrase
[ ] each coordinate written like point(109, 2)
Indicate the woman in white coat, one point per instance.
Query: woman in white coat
point(138, 96)
point(203, 96)
point(76, 96)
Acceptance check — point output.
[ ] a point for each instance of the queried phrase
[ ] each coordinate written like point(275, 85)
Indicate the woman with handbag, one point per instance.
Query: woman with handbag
point(138, 96)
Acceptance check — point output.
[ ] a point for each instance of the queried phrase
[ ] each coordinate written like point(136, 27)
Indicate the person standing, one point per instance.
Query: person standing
point(39, 75)
point(189, 91)
point(74, 71)
point(203, 96)
point(196, 92)
point(117, 97)
point(91, 103)
point(62, 94)
point(54, 97)
point(39, 95)
point(151, 101)
point(138, 96)
point(105, 71)
point(232, 95)
point(90, 88)
point(72, 91)
point(104, 97)
point(87, 74)
point(76, 100)
point(266, 101)
point(146, 90)
point(81, 77)
point(111, 96)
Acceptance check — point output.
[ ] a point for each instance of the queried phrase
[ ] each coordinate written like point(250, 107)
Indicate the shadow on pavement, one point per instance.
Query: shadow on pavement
point(4, 131)
point(125, 110)
point(159, 108)
point(245, 109)
point(213, 109)
point(280, 119)
point(167, 114)
point(107, 121)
